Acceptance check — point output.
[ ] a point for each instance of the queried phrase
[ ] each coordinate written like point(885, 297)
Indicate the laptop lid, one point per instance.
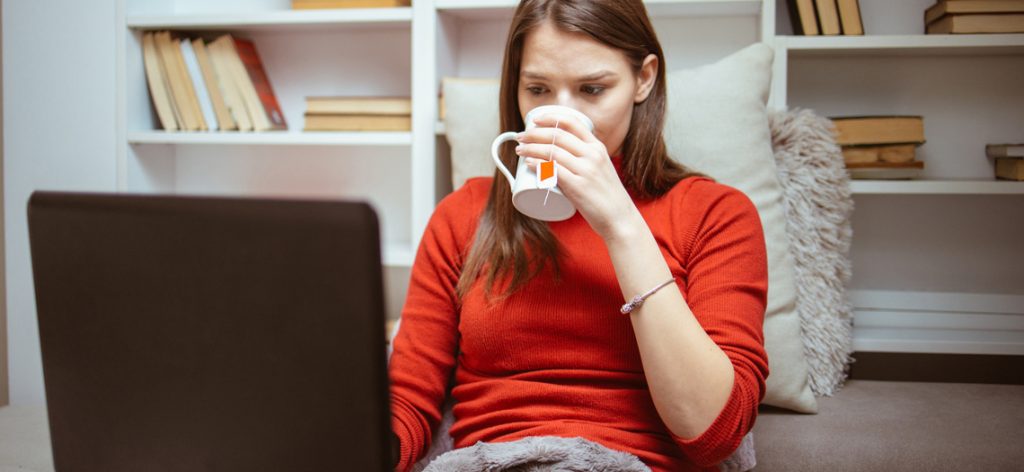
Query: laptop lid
point(189, 333)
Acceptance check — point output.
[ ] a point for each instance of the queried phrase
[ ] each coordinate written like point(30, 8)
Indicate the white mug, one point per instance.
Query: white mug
point(546, 204)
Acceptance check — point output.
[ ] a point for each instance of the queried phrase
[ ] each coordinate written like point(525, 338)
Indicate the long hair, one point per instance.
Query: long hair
point(510, 248)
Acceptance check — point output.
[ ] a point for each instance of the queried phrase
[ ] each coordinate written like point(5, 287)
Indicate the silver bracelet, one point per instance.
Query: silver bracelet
point(639, 299)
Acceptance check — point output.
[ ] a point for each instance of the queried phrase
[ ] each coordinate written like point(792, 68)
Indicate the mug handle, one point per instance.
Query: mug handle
point(506, 136)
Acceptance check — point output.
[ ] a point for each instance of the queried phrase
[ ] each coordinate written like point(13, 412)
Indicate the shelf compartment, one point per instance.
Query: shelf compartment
point(897, 45)
point(398, 255)
point(367, 138)
point(492, 9)
point(285, 20)
point(936, 187)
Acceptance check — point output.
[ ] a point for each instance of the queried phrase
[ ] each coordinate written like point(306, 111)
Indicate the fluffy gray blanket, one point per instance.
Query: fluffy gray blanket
point(819, 205)
point(537, 454)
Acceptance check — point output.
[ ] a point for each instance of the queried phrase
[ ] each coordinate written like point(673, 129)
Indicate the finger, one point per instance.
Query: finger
point(567, 122)
point(557, 136)
point(549, 152)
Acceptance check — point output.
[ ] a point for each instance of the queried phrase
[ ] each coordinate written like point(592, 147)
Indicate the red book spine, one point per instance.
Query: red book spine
point(254, 66)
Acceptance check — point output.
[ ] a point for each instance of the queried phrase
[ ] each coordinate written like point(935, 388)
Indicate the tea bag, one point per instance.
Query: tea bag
point(547, 171)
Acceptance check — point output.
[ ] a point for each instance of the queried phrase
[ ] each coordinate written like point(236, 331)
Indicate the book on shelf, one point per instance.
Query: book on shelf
point(249, 76)
point(170, 53)
point(978, 23)
point(1005, 150)
point(359, 105)
point(317, 4)
point(222, 60)
point(225, 121)
point(951, 7)
point(803, 18)
point(1010, 169)
point(885, 170)
point(849, 17)
point(828, 17)
point(358, 122)
point(866, 130)
point(217, 85)
point(893, 153)
point(201, 92)
point(156, 78)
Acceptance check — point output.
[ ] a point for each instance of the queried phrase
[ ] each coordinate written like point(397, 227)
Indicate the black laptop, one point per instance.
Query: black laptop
point(210, 334)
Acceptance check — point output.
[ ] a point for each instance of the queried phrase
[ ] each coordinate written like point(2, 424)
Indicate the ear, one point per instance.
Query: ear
point(646, 78)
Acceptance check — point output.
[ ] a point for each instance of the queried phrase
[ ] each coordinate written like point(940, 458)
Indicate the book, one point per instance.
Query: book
point(177, 79)
point(213, 88)
point(803, 18)
point(943, 7)
point(978, 23)
point(190, 89)
point(358, 122)
point(157, 81)
point(887, 165)
point(314, 4)
point(828, 17)
point(266, 109)
point(199, 84)
point(849, 17)
point(886, 170)
point(249, 76)
point(222, 61)
point(852, 130)
point(894, 153)
point(359, 105)
point(1010, 169)
point(1005, 150)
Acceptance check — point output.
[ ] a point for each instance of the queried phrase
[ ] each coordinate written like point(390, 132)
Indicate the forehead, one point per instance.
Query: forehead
point(552, 52)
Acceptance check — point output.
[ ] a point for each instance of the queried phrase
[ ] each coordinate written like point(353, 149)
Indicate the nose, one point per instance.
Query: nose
point(566, 98)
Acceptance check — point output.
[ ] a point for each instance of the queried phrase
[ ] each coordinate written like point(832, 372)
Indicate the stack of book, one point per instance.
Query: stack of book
point(975, 16)
point(200, 85)
point(881, 147)
point(358, 114)
point(1009, 160)
point(825, 17)
point(317, 4)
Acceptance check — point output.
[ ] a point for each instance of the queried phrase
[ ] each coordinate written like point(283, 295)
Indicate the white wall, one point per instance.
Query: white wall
point(59, 105)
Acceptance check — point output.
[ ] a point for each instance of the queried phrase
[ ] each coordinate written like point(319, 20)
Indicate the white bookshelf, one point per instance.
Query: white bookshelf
point(936, 187)
point(905, 45)
point(894, 69)
point(490, 9)
point(934, 258)
point(277, 20)
point(283, 138)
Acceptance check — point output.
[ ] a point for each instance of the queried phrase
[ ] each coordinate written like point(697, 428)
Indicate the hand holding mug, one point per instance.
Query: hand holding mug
point(530, 195)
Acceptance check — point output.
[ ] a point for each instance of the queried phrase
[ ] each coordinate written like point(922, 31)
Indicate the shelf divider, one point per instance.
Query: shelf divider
point(353, 138)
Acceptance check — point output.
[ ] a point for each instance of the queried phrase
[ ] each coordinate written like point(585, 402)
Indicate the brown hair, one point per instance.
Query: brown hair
point(510, 247)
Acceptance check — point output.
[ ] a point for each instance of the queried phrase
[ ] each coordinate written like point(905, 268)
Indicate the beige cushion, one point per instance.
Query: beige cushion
point(471, 124)
point(717, 124)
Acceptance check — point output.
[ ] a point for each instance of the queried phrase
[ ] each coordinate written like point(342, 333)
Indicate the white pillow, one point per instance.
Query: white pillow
point(716, 124)
point(471, 124)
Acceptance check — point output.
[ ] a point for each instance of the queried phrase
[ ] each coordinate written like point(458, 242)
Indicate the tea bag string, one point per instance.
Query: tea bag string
point(551, 154)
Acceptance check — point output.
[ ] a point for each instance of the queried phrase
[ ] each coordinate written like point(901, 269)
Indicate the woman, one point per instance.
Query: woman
point(526, 315)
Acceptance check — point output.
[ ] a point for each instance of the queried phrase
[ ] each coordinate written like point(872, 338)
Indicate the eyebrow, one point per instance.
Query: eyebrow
point(594, 76)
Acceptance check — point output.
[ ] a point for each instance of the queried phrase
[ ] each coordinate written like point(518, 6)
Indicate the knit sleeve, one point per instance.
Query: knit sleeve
point(727, 288)
point(427, 341)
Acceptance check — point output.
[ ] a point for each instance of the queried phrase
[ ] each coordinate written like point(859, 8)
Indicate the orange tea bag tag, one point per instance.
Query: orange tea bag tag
point(547, 174)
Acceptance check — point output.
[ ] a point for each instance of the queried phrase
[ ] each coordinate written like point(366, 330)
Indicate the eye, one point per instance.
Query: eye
point(592, 89)
point(535, 89)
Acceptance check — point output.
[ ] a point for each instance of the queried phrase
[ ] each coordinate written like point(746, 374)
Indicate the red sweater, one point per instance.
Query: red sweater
point(557, 358)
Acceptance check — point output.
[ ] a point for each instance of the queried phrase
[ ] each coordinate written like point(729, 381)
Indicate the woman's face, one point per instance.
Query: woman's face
point(574, 70)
